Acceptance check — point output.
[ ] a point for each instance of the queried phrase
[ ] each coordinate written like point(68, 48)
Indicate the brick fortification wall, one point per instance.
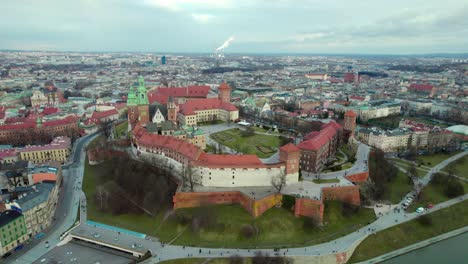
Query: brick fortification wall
point(97, 156)
point(348, 194)
point(309, 208)
point(254, 207)
point(303, 206)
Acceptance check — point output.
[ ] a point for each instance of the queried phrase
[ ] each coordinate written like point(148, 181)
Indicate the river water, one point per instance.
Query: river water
point(450, 251)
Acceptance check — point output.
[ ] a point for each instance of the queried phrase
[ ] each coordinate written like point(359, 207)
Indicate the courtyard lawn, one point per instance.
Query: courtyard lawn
point(397, 188)
point(411, 232)
point(261, 145)
point(210, 123)
point(460, 167)
point(434, 159)
point(121, 129)
point(262, 130)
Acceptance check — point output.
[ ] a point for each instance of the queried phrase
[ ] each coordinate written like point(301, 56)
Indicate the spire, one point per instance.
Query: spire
point(38, 121)
point(141, 81)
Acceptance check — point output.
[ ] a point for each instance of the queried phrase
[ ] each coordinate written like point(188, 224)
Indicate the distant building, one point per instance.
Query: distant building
point(350, 122)
point(28, 132)
point(163, 60)
point(201, 110)
point(422, 89)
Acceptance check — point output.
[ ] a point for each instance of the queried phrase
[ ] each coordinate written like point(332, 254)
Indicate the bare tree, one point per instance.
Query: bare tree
point(106, 127)
point(189, 177)
point(279, 181)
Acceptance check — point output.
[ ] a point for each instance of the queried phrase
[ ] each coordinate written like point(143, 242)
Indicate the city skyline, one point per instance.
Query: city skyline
point(304, 27)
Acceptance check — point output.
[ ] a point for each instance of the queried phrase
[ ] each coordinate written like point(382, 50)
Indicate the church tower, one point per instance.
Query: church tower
point(143, 102)
point(172, 110)
point(132, 108)
point(224, 93)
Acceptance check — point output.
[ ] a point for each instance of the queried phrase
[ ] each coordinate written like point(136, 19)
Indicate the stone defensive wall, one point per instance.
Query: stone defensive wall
point(348, 194)
point(309, 208)
point(255, 207)
point(303, 206)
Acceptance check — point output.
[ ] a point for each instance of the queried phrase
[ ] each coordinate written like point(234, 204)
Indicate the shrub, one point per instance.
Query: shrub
point(454, 188)
point(348, 209)
point(425, 220)
point(288, 202)
point(247, 231)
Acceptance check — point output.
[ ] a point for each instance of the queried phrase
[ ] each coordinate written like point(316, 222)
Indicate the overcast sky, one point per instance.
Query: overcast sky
point(272, 26)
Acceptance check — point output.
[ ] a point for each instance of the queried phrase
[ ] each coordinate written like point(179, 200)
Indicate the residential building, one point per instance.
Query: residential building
point(12, 230)
point(58, 150)
point(38, 206)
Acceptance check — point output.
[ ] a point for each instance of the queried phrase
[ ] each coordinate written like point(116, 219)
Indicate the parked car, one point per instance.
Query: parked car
point(430, 206)
point(420, 210)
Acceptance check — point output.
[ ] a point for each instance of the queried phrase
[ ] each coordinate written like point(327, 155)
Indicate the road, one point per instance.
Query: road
point(65, 213)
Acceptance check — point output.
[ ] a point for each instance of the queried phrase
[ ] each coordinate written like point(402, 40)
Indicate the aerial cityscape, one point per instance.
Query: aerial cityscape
point(225, 150)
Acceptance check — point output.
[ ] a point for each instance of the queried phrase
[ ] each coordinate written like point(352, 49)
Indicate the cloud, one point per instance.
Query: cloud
point(202, 18)
point(179, 5)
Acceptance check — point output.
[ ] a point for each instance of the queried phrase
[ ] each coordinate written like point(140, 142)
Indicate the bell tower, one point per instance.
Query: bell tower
point(224, 93)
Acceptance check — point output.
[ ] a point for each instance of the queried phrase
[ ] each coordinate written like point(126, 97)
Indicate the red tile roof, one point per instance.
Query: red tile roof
point(350, 113)
point(316, 140)
point(289, 148)
point(355, 97)
point(349, 77)
point(421, 87)
point(162, 94)
point(50, 110)
point(193, 105)
point(104, 114)
point(224, 86)
point(183, 147)
point(229, 161)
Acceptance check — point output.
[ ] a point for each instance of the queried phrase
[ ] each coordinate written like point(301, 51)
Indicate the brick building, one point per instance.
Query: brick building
point(32, 132)
point(319, 146)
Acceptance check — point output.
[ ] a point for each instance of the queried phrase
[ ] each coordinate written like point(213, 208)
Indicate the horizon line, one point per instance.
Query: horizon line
point(251, 53)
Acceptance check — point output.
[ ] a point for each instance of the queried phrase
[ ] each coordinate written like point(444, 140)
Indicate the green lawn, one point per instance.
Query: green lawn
point(201, 261)
point(121, 129)
point(434, 159)
point(261, 145)
point(398, 187)
point(403, 235)
point(460, 167)
point(318, 181)
point(210, 123)
point(262, 130)
point(276, 228)
point(420, 171)
point(140, 223)
point(432, 194)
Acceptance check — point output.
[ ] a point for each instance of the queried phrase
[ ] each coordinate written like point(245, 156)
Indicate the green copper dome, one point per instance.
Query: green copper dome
point(132, 99)
point(142, 93)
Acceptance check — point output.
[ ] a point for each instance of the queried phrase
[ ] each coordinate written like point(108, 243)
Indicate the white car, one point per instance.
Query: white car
point(409, 199)
point(419, 210)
